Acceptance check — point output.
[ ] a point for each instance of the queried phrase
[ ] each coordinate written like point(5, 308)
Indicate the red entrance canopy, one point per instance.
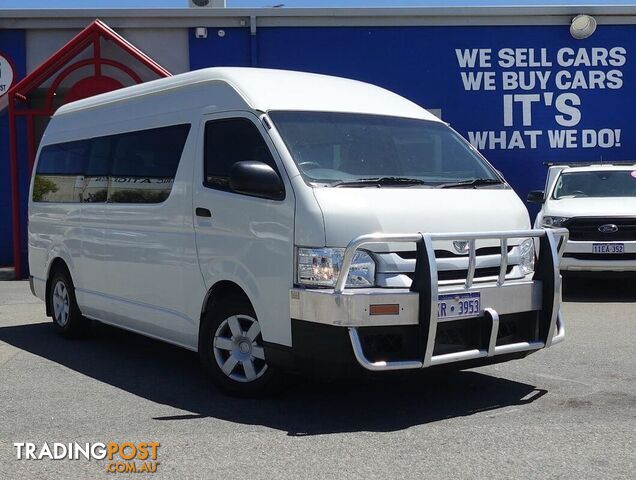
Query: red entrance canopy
point(56, 69)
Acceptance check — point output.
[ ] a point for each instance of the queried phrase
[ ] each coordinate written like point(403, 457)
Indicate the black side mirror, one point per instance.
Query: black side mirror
point(536, 196)
point(257, 179)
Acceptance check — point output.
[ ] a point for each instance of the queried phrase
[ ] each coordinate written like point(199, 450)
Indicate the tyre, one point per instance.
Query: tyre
point(231, 349)
point(67, 317)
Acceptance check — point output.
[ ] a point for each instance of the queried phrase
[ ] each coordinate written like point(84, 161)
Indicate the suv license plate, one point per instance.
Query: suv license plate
point(459, 305)
point(608, 248)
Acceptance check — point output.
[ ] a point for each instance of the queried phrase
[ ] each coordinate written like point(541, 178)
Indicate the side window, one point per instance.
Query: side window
point(133, 167)
point(97, 170)
point(144, 164)
point(59, 174)
point(227, 142)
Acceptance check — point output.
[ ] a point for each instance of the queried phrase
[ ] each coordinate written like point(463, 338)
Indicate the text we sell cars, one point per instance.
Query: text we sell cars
point(543, 83)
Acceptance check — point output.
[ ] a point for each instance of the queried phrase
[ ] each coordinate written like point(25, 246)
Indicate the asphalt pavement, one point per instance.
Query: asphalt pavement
point(565, 412)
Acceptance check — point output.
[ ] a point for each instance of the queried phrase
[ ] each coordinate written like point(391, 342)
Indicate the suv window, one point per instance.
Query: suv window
point(598, 183)
point(227, 142)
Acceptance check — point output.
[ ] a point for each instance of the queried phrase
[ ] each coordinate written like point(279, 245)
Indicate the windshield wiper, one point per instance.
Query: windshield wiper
point(379, 181)
point(475, 182)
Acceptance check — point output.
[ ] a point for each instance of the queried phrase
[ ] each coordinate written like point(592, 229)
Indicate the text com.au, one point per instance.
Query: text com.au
point(119, 457)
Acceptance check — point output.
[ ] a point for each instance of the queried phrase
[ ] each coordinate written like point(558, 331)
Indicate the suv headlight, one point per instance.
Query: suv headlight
point(526, 256)
point(554, 222)
point(321, 267)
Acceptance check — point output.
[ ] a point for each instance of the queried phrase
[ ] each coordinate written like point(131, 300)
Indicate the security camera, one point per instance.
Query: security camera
point(201, 32)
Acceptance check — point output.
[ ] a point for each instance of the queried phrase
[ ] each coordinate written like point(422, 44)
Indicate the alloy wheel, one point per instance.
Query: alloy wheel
point(61, 304)
point(238, 348)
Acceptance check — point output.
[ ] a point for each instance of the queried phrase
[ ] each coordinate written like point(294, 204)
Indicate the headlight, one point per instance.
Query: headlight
point(554, 222)
point(526, 256)
point(321, 266)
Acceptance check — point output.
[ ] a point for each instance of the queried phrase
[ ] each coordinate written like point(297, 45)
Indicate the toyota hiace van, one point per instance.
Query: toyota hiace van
point(275, 220)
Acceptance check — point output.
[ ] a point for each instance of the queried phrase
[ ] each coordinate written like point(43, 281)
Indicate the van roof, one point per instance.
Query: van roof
point(269, 89)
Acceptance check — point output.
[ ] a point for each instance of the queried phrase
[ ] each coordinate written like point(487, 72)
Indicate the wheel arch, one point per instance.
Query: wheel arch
point(56, 263)
point(221, 290)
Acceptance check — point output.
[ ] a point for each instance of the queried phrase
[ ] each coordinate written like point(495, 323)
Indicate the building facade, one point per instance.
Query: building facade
point(512, 80)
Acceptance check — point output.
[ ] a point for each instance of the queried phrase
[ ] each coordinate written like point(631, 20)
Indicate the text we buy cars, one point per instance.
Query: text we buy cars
point(543, 83)
point(122, 457)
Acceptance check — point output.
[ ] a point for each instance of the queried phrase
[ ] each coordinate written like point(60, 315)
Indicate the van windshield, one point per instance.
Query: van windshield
point(334, 149)
point(609, 183)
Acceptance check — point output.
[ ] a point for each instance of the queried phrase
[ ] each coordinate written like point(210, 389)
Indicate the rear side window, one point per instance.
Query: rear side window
point(96, 176)
point(132, 167)
point(227, 142)
point(59, 174)
point(144, 164)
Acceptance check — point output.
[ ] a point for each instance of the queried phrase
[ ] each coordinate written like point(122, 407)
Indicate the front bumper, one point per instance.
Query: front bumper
point(578, 257)
point(530, 306)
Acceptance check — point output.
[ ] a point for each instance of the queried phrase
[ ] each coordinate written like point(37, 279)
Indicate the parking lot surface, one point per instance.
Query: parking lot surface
point(565, 412)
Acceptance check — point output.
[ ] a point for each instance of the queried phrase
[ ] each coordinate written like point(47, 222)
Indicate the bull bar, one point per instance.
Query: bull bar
point(350, 307)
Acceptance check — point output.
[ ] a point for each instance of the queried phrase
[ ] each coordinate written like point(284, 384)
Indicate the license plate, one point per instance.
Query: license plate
point(608, 248)
point(459, 305)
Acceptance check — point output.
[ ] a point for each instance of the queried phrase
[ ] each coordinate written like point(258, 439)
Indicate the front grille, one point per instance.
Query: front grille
point(587, 229)
point(412, 255)
point(463, 273)
point(601, 256)
point(461, 335)
point(474, 333)
point(390, 343)
point(518, 327)
point(403, 342)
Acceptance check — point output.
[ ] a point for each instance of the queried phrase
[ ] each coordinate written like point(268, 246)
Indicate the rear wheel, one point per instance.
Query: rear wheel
point(231, 349)
point(67, 317)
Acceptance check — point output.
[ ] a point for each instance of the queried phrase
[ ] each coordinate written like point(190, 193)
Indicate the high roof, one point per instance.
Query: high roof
point(268, 89)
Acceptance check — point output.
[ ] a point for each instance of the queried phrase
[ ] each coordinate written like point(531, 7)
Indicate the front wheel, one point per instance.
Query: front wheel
point(231, 349)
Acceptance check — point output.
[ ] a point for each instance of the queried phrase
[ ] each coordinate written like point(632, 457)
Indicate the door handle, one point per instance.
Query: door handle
point(203, 212)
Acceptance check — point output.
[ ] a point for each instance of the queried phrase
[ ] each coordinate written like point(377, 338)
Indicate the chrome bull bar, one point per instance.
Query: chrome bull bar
point(551, 246)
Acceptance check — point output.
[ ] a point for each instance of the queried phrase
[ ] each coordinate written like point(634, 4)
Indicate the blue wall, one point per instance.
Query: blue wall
point(422, 64)
point(12, 45)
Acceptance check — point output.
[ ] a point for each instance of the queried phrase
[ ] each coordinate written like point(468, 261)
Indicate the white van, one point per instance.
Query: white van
point(280, 220)
point(597, 204)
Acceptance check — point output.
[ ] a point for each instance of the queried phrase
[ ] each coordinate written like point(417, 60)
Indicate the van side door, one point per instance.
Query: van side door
point(240, 238)
point(149, 251)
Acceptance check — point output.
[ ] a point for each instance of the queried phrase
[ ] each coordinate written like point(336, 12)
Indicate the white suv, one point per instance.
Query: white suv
point(597, 204)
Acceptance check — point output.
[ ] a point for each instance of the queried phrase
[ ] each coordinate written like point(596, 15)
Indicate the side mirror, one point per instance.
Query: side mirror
point(257, 179)
point(536, 196)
